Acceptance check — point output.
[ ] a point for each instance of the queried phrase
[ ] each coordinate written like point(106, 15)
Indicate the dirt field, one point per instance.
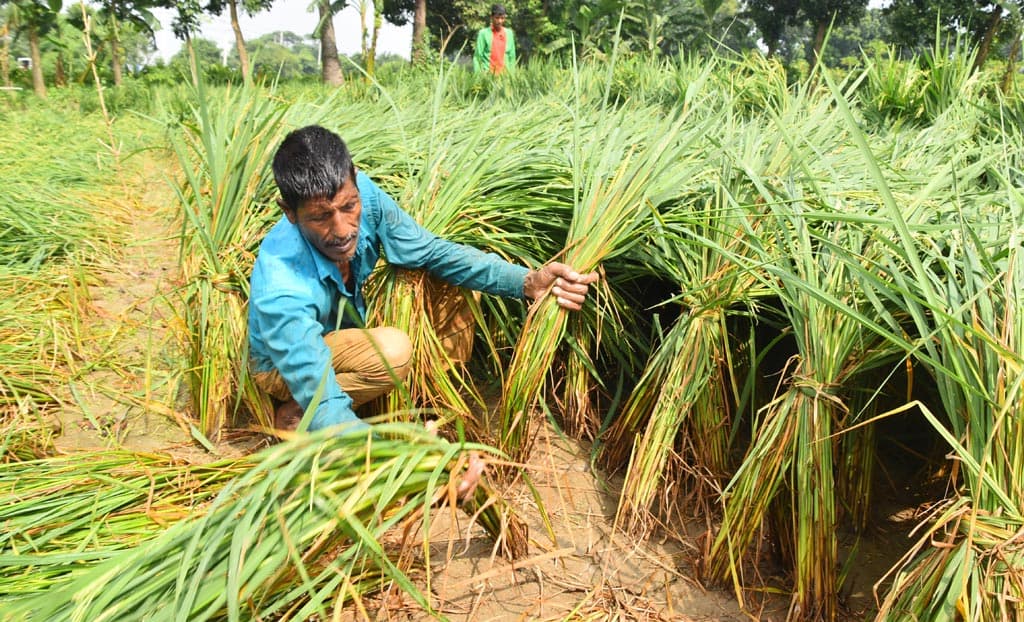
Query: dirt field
point(587, 571)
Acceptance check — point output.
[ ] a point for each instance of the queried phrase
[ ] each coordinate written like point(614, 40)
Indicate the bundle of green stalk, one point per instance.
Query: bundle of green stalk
point(965, 302)
point(623, 168)
point(63, 515)
point(789, 466)
point(224, 151)
point(959, 290)
point(296, 536)
point(486, 184)
point(848, 276)
point(675, 428)
point(809, 186)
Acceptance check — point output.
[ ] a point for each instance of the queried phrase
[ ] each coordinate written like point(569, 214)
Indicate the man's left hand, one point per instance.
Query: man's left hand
point(564, 283)
point(471, 477)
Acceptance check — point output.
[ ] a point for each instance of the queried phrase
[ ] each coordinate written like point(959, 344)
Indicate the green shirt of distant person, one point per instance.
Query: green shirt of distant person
point(495, 45)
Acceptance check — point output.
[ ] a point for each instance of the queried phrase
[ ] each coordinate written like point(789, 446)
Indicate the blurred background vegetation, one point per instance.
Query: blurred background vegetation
point(42, 45)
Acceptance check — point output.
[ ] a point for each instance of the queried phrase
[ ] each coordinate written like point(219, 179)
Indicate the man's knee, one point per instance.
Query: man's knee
point(395, 348)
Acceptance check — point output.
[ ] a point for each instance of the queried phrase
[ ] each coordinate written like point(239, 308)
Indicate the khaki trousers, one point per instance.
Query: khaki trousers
point(370, 362)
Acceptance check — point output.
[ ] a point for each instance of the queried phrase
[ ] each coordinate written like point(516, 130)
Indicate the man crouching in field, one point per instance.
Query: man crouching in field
point(306, 306)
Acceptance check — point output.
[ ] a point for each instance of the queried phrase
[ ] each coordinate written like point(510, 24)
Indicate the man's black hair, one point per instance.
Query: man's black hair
point(312, 162)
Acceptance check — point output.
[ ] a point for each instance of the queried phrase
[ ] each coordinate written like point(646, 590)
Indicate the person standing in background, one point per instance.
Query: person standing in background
point(495, 45)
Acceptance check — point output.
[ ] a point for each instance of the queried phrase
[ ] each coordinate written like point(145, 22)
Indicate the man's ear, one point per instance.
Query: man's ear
point(289, 213)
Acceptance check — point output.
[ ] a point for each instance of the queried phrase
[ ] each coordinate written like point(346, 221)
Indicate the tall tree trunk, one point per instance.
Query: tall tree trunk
point(1011, 63)
point(986, 40)
point(330, 66)
point(363, 6)
point(243, 56)
point(192, 64)
point(819, 40)
point(38, 85)
point(115, 52)
point(371, 54)
point(5, 67)
point(60, 77)
point(419, 31)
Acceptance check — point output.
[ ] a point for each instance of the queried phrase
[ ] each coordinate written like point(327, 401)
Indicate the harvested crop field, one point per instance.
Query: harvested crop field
point(793, 394)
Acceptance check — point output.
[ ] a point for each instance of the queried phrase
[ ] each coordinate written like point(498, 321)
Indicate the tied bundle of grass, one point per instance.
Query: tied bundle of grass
point(620, 176)
point(803, 251)
point(790, 464)
point(484, 184)
point(224, 151)
point(958, 289)
point(63, 515)
point(969, 561)
point(677, 419)
point(297, 536)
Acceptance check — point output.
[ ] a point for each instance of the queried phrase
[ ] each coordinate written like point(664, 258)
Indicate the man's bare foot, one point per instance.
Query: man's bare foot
point(287, 416)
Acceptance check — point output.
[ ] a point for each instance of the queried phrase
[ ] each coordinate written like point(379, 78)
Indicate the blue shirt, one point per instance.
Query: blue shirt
point(296, 293)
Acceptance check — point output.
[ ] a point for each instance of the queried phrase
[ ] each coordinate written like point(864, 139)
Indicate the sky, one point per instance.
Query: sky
point(287, 15)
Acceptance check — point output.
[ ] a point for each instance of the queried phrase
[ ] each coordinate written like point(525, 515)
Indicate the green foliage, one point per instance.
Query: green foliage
point(296, 534)
point(53, 217)
point(915, 24)
point(882, 216)
point(280, 56)
point(919, 90)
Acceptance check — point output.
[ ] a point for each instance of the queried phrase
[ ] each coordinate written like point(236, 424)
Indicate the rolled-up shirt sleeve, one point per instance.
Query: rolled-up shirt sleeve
point(407, 244)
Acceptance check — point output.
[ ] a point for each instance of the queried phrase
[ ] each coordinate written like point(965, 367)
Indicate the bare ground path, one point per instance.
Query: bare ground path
point(125, 392)
point(125, 388)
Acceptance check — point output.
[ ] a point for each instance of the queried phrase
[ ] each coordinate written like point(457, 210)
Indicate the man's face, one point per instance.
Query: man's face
point(497, 21)
point(331, 225)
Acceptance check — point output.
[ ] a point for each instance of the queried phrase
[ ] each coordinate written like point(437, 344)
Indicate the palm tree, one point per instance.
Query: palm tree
point(251, 7)
point(35, 18)
point(329, 63)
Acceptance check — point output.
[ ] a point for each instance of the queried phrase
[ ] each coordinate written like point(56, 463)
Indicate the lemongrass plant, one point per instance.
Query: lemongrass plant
point(33, 340)
point(297, 536)
point(48, 167)
point(481, 184)
point(224, 151)
point(677, 419)
point(802, 249)
point(959, 292)
point(790, 463)
point(65, 514)
point(622, 170)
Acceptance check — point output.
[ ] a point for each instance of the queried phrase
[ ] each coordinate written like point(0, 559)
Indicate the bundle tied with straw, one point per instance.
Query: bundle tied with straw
point(676, 423)
point(480, 183)
point(298, 535)
point(620, 176)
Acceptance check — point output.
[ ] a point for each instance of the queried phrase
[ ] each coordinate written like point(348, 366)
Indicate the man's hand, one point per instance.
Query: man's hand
point(565, 284)
point(471, 478)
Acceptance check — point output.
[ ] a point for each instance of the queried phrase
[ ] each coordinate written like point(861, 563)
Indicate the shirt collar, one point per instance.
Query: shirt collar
point(325, 269)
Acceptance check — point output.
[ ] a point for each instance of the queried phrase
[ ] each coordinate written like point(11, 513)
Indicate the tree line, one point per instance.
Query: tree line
point(119, 34)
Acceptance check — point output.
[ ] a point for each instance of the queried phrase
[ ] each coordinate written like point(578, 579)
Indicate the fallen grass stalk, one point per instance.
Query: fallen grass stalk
point(290, 537)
